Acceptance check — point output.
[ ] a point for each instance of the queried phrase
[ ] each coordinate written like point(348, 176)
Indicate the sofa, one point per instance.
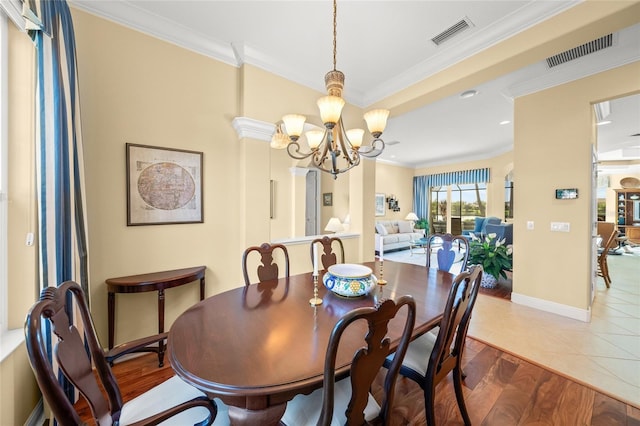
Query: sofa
point(395, 235)
point(494, 225)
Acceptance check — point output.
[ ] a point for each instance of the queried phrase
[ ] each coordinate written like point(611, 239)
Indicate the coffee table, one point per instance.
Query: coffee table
point(420, 243)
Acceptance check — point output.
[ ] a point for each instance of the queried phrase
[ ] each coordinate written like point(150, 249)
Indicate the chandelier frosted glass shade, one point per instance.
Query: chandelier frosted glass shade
point(376, 121)
point(294, 123)
point(330, 109)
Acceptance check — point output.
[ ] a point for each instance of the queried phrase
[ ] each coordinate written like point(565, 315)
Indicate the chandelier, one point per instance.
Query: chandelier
point(332, 150)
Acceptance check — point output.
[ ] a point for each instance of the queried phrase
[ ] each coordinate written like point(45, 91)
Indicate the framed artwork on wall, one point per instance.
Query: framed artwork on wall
point(380, 205)
point(164, 185)
point(327, 199)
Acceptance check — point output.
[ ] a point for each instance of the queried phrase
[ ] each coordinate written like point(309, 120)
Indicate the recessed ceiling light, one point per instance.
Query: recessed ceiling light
point(503, 122)
point(601, 123)
point(468, 94)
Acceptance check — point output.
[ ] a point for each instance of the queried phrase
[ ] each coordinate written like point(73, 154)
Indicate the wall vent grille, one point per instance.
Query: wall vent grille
point(453, 30)
point(580, 51)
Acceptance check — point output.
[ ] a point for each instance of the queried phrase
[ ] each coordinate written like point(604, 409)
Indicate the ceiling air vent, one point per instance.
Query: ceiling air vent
point(453, 30)
point(580, 51)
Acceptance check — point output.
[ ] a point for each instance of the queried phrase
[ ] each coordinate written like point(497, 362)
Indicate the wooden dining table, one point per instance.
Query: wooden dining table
point(256, 347)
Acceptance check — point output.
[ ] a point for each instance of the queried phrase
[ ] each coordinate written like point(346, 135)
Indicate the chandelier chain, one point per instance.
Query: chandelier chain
point(335, 32)
point(334, 150)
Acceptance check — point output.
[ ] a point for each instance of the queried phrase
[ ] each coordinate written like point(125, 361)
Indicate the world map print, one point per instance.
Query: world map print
point(166, 186)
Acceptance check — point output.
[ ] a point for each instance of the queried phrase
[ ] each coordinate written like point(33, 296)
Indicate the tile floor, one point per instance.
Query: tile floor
point(604, 353)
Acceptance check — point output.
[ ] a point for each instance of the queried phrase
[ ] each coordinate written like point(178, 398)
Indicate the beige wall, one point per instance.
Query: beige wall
point(167, 96)
point(138, 89)
point(554, 132)
point(396, 180)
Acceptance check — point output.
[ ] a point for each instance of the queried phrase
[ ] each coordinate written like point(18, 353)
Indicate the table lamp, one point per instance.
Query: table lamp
point(413, 218)
point(334, 225)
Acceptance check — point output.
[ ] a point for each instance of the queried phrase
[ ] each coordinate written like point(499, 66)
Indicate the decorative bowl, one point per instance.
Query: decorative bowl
point(349, 280)
point(630, 182)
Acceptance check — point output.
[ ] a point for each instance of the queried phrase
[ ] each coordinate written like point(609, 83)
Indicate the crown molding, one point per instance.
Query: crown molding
point(127, 14)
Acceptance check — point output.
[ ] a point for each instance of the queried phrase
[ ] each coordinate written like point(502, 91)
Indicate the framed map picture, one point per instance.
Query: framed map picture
point(164, 185)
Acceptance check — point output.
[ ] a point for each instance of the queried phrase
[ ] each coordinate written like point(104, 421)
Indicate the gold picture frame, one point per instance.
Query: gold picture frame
point(164, 185)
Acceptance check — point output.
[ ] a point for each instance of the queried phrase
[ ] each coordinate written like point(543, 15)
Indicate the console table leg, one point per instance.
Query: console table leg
point(111, 309)
point(161, 326)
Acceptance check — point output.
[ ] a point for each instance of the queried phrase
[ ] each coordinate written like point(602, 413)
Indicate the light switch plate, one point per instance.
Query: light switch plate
point(560, 227)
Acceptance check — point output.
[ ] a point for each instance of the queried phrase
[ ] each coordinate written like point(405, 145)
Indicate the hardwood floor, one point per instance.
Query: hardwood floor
point(500, 389)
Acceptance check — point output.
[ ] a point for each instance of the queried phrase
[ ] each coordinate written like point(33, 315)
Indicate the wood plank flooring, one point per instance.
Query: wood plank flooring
point(500, 389)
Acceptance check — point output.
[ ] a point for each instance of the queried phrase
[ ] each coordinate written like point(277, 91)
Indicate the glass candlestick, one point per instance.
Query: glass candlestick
point(315, 300)
point(381, 280)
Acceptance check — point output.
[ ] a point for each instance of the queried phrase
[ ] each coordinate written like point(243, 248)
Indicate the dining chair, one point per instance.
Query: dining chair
point(603, 266)
point(173, 400)
point(430, 358)
point(268, 269)
point(329, 257)
point(446, 255)
point(348, 401)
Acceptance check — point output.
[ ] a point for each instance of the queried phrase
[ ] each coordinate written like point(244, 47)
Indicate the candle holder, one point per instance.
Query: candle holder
point(315, 300)
point(381, 280)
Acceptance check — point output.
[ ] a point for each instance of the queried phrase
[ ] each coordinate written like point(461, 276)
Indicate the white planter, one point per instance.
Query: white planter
point(488, 281)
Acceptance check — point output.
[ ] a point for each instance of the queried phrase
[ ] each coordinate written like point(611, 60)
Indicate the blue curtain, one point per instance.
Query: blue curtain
point(422, 184)
point(59, 159)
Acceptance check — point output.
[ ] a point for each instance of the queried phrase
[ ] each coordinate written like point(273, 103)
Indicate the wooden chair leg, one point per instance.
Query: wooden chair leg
point(429, 405)
point(457, 385)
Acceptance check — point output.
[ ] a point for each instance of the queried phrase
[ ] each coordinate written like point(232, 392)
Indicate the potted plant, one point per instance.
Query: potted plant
point(421, 224)
point(494, 255)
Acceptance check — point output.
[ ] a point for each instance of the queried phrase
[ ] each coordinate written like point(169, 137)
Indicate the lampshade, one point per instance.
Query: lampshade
point(334, 225)
point(412, 216)
point(355, 137)
point(279, 140)
point(376, 121)
point(294, 123)
point(330, 108)
point(314, 138)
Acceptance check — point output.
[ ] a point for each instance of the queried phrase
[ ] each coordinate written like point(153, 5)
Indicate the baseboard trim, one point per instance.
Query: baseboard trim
point(572, 312)
point(37, 415)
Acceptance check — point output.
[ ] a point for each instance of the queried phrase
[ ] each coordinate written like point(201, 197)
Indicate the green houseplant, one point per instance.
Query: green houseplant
point(493, 254)
point(421, 224)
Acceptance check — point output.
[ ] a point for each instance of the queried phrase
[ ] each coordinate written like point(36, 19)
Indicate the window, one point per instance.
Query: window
point(9, 338)
point(438, 208)
point(4, 65)
point(468, 201)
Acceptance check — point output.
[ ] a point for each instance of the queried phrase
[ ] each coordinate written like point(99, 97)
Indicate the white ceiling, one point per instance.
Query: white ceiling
point(383, 47)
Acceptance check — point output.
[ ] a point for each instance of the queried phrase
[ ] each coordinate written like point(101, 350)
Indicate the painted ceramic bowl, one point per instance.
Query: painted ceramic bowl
point(349, 280)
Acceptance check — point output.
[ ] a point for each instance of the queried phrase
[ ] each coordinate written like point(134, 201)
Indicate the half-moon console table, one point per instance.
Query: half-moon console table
point(156, 281)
